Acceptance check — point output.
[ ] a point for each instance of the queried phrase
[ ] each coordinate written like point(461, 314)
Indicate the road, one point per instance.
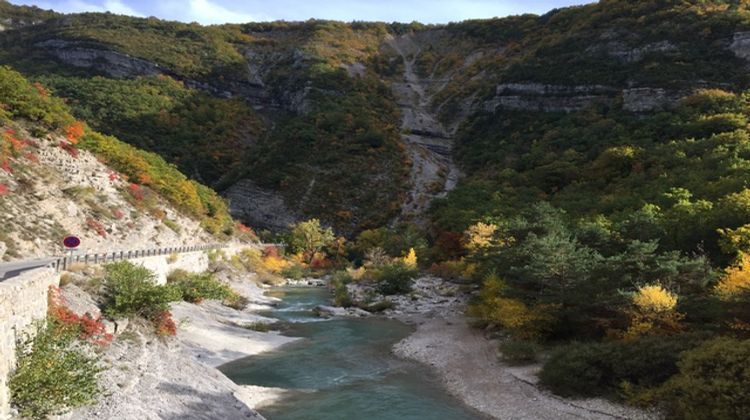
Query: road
point(12, 269)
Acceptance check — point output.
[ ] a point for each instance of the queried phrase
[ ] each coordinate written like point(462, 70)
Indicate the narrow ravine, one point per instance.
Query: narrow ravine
point(343, 368)
point(428, 143)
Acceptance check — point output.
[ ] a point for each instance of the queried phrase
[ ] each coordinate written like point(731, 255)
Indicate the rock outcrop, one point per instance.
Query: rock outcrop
point(539, 97)
point(548, 98)
point(740, 45)
point(114, 64)
point(625, 54)
point(259, 207)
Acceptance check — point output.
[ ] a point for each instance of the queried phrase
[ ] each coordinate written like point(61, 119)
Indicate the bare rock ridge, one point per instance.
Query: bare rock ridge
point(428, 143)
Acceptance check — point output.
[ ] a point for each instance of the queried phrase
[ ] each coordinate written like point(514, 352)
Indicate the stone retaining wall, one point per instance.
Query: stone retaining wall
point(23, 300)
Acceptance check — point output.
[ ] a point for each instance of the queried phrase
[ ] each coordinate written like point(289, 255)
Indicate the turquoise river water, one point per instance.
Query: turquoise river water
point(343, 369)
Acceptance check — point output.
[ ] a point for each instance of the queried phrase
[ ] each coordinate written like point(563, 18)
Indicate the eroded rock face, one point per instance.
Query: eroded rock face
point(627, 54)
point(558, 98)
point(112, 63)
point(548, 98)
point(258, 206)
point(740, 45)
point(648, 99)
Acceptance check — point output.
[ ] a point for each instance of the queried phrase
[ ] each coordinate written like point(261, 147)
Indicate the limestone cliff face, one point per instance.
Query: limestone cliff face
point(556, 98)
point(623, 53)
point(103, 59)
point(112, 63)
point(740, 45)
point(260, 207)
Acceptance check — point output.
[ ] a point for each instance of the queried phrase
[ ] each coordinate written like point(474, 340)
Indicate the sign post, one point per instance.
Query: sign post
point(70, 243)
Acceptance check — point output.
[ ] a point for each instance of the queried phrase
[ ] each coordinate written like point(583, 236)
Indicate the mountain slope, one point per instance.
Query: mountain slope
point(58, 177)
point(303, 119)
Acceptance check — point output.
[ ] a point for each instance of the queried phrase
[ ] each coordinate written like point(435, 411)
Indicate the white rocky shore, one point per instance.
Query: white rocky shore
point(468, 364)
point(176, 378)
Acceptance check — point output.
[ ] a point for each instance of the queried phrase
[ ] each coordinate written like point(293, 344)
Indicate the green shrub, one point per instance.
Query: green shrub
point(293, 271)
point(713, 382)
point(54, 373)
point(395, 278)
point(172, 225)
point(197, 287)
point(130, 290)
point(519, 352)
point(594, 369)
point(236, 301)
point(258, 326)
point(338, 283)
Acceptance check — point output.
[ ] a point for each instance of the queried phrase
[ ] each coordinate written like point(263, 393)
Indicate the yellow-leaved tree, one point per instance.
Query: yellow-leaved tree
point(479, 236)
point(512, 315)
point(736, 281)
point(653, 312)
point(734, 290)
point(410, 260)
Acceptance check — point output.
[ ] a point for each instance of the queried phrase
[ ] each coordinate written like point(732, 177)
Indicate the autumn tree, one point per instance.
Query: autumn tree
point(309, 238)
point(653, 312)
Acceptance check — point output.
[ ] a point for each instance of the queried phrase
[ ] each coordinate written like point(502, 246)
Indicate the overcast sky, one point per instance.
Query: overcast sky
point(222, 11)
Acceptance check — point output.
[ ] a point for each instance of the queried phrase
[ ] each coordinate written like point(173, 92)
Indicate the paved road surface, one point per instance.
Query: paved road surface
point(12, 269)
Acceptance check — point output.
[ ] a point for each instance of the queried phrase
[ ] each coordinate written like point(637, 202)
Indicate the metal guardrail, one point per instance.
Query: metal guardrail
point(63, 263)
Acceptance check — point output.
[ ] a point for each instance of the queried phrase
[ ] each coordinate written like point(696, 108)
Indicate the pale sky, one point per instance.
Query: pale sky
point(225, 11)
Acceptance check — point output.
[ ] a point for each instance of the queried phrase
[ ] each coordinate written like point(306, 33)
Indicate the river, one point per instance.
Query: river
point(343, 368)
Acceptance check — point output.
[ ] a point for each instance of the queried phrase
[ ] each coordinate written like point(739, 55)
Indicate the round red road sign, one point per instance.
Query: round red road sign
point(71, 242)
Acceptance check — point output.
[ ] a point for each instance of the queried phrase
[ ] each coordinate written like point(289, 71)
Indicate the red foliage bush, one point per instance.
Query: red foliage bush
point(4, 190)
point(164, 324)
point(117, 214)
point(320, 262)
point(71, 149)
point(450, 245)
point(89, 328)
point(271, 251)
point(41, 89)
point(32, 157)
point(74, 132)
point(97, 227)
point(136, 191)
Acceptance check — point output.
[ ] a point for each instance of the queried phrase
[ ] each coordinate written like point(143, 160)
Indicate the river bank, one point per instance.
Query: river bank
point(148, 377)
point(468, 363)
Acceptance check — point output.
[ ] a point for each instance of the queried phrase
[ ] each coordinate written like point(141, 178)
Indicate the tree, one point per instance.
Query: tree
point(309, 238)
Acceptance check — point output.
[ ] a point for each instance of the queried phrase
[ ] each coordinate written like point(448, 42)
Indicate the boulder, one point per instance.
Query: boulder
point(79, 301)
point(329, 311)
